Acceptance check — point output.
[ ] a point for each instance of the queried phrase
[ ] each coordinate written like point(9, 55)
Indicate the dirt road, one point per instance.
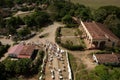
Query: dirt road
point(51, 33)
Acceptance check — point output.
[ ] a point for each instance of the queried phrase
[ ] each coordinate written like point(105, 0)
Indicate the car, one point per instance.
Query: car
point(53, 77)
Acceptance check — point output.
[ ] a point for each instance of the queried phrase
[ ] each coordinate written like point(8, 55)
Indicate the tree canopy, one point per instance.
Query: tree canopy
point(109, 15)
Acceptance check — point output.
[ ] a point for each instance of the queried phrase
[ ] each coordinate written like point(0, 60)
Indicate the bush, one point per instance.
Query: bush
point(3, 49)
point(58, 40)
point(113, 49)
point(71, 25)
point(69, 45)
point(103, 52)
point(58, 35)
point(58, 32)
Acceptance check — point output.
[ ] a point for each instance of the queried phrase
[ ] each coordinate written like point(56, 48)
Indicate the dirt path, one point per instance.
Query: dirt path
point(51, 30)
point(51, 33)
point(85, 57)
point(6, 41)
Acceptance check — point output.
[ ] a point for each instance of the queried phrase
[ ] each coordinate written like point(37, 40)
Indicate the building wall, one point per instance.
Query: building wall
point(95, 59)
point(99, 41)
point(111, 42)
point(12, 55)
point(88, 35)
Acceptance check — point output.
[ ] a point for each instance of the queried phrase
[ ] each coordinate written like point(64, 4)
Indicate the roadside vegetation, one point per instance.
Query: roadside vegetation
point(79, 69)
point(3, 49)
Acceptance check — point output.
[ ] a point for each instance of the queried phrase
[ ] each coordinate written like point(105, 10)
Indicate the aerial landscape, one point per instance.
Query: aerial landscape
point(59, 40)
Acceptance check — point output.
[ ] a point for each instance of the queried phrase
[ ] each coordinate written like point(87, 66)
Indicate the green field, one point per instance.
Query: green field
point(68, 31)
point(75, 41)
point(97, 3)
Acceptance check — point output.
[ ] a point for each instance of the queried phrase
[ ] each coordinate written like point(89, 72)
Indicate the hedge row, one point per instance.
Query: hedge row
point(58, 32)
point(72, 47)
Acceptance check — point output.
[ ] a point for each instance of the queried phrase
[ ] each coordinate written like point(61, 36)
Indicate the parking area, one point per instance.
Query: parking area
point(56, 66)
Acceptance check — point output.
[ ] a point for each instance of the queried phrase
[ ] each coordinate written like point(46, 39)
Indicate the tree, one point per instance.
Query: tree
point(85, 14)
point(2, 2)
point(41, 18)
point(2, 22)
point(3, 49)
point(100, 15)
point(19, 1)
point(14, 21)
point(2, 71)
point(19, 21)
point(10, 67)
point(102, 72)
point(23, 32)
point(12, 30)
point(11, 22)
point(67, 19)
point(29, 21)
point(9, 3)
point(23, 66)
point(103, 12)
point(113, 24)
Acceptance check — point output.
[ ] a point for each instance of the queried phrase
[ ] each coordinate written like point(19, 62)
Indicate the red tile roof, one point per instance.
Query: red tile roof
point(107, 31)
point(16, 49)
point(24, 56)
point(99, 31)
point(27, 51)
point(107, 58)
point(22, 51)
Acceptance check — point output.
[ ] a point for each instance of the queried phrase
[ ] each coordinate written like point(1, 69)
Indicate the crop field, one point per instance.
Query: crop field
point(97, 3)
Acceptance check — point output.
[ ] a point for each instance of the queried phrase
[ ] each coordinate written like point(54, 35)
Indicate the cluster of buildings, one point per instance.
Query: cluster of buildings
point(98, 35)
point(21, 51)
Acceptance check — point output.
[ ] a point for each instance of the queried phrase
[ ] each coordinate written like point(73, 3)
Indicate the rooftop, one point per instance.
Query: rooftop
point(22, 50)
point(16, 49)
point(107, 58)
point(27, 51)
point(99, 31)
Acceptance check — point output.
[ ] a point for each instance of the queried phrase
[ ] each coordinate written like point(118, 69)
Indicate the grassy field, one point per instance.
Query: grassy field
point(68, 31)
point(75, 41)
point(78, 68)
point(97, 3)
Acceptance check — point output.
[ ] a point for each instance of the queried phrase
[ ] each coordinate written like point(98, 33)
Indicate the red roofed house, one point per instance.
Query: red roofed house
point(107, 59)
point(27, 51)
point(15, 50)
point(98, 35)
point(21, 51)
